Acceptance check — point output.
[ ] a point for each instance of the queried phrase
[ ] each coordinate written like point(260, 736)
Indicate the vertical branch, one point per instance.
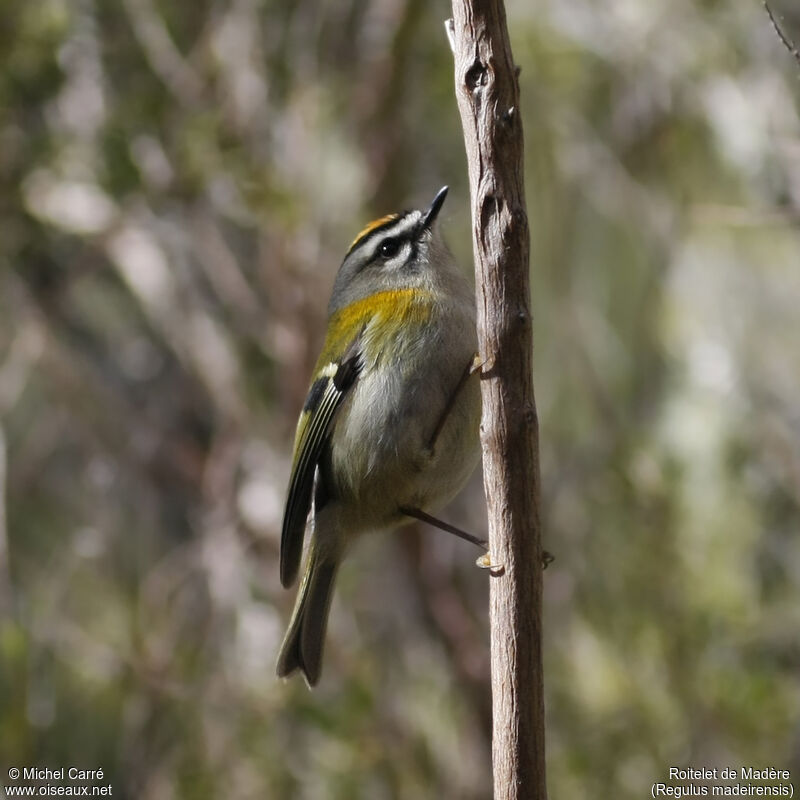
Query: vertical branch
point(487, 91)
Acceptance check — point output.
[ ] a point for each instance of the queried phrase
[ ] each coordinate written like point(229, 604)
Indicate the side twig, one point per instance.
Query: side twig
point(787, 43)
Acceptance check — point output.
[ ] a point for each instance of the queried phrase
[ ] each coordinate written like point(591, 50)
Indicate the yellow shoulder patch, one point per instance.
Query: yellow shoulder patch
point(389, 314)
point(376, 223)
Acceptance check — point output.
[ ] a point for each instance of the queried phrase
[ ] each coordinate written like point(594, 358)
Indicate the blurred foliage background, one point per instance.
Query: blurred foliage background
point(178, 184)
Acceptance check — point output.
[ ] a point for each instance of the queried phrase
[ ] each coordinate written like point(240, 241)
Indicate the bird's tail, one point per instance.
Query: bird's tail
point(303, 644)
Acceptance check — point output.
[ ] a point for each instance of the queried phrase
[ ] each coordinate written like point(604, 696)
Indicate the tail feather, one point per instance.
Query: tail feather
point(303, 644)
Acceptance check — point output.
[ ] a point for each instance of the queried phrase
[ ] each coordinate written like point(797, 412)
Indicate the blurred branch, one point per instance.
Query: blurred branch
point(96, 396)
point(787, 43)
point(487, 91)
point(163, 56)
point(5, 572)
point(742, 216)
point(445, 612)
point(384, 141)
point(23, 354)
point(221, 268)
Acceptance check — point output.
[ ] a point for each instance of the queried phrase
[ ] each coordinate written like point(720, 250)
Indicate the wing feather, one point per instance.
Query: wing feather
point(324, 399)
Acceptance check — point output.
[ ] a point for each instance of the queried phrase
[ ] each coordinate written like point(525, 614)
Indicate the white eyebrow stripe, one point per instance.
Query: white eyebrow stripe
point(399, 230)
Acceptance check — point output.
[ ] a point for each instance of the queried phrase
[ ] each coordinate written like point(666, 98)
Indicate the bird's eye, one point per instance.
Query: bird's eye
point(389, 247)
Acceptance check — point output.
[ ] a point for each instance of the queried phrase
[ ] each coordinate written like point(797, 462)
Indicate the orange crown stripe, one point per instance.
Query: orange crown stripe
point(376, 223)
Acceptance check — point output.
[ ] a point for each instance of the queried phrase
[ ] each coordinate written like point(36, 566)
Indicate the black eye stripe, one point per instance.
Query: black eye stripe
point(402, 228)
point(374, 231)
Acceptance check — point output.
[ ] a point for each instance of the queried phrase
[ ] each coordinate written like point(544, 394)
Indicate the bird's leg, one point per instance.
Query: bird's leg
point(472, 367)
point(442, 526)
point(484, 561)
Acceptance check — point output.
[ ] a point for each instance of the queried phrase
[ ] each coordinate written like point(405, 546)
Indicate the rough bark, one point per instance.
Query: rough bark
point(487, 90)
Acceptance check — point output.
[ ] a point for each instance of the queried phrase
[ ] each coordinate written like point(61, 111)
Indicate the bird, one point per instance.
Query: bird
point(389, 428)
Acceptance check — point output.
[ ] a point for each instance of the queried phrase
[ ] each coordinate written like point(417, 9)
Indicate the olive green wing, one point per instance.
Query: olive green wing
point(314, 428)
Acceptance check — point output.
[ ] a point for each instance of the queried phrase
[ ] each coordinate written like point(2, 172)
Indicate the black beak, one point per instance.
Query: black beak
point(433, 211)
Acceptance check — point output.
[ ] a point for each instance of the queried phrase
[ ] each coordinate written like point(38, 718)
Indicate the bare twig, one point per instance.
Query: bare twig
point(788, 43)
point(487, 91)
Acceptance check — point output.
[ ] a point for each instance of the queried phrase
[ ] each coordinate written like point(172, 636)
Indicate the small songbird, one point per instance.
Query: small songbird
point(389, 429)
